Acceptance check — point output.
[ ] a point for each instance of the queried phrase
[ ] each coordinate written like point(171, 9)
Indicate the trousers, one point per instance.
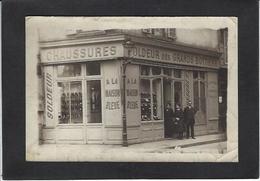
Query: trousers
point(189, 128)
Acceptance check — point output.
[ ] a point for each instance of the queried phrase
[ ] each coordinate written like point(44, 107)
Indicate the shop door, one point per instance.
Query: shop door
point(167, 93)
point(173, 95)
point(167, 87)
point(93, 112)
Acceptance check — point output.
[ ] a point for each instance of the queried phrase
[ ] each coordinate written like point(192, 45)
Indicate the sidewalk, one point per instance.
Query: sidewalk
point(171, 143)
point(170, 150)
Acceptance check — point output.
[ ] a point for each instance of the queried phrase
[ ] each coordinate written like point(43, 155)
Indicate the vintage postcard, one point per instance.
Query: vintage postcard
point(131, 89)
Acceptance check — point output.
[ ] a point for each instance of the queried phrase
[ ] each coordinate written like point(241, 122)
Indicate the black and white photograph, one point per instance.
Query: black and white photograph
point(131, 89)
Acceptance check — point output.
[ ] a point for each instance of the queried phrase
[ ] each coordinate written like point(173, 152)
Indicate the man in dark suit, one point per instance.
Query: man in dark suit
point(168, 125)
point(189, 119)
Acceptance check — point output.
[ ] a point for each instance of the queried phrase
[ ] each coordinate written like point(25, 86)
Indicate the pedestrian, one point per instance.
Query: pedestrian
point(189, 119)
point(178, 116)
point(168, 116)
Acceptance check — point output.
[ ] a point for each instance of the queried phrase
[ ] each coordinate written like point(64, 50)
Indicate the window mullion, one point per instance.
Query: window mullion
point(151, 94)
point(70, 100)
point(199, 94)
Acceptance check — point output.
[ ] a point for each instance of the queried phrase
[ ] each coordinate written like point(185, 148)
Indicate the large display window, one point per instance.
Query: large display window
point(94, 101)
point(78, 90)
point(145, 89)
point(70, 105)
point(157, 99)
point(151, 93)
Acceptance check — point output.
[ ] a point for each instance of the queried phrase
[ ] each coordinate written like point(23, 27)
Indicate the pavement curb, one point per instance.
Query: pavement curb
point(197, 143)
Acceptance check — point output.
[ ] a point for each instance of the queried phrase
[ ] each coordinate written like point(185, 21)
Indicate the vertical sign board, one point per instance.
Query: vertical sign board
point(133, 109)
point(49, 96)
point(112, 93)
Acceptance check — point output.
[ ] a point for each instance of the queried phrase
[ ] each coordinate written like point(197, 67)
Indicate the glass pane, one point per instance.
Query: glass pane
point(156, 71)
point(167, 72)
point(76, 102)
point(202, 75)
point(177, 93)
point(64, 104)
point(145, 100)
point(195, 75)
point(69, 70)
point(145, 70)
point(177, 73)
point(203, 97)
point(93, 68)
point(196, 95)
point(157, 101)
point(94, 101)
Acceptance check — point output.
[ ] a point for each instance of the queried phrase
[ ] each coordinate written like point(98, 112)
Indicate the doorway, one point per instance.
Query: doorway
point(172, 91)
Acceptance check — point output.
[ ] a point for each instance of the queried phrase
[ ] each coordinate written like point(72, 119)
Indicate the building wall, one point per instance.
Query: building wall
point(111, 130)
point(33, 84)
point(112, 105)
point(204, 38)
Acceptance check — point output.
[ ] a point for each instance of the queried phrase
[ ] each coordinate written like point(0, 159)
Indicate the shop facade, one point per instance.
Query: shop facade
point(82, 88)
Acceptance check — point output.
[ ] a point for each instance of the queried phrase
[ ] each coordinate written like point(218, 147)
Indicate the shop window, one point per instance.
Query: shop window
point(177, 73)
point(196, 95)
point(167, 72)
point(178, 93)
point(70, 104)
point(69, 70)
point(195, 74)
point(202, 75)
point(93, 68)
point(94, 101)
point(145, 100)
point(156, 70)
point(151, 100)
point(145, 70)
point(157, 99)
point(202, 97)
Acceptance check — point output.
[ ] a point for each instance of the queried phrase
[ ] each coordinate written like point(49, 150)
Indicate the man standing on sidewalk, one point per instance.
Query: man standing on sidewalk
point(189, 119)
point(168, 125)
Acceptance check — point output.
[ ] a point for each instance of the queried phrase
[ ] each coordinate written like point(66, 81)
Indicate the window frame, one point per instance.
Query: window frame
point(83, 78)
point(204, 81)
point(152, 77)
point(171, 33)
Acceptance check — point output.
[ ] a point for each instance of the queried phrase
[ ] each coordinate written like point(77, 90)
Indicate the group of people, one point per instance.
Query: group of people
point(179, 121)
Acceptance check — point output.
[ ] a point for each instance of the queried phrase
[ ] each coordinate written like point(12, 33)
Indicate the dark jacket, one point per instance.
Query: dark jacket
point(189, 115)
point(178, 120)
point(168, 114)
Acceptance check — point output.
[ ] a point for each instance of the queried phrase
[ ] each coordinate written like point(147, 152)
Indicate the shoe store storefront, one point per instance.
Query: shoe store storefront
point(82, 88)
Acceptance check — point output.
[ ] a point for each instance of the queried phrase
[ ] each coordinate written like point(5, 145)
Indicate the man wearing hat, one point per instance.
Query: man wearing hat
point(189, 119)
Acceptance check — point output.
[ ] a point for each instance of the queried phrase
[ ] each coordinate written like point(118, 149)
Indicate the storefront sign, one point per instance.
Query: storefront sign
point(112, 93)
point(81, 53)
point(133, 108)
point(49, 96)
point(175, 57)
